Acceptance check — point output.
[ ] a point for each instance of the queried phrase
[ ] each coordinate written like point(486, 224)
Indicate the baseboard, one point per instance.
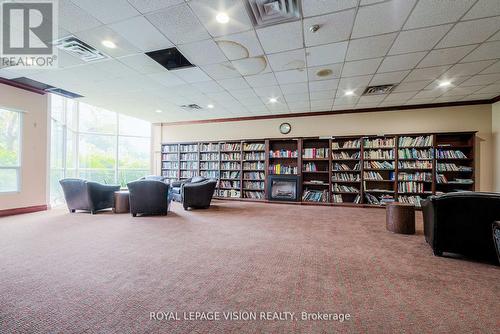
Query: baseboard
point(18, 211)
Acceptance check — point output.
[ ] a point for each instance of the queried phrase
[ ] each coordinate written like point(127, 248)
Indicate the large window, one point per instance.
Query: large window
point(97, 145)
point(10, 150)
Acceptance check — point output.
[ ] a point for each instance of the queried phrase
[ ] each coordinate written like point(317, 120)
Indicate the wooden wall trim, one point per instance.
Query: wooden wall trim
point(21, 86)
point(18, 211)
point(495, 99)
point(333, 112)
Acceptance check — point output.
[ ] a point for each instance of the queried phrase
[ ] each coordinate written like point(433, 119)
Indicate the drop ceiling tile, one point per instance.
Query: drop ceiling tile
point(192, 74)
point(108, 11)
point(221, 71)
point(7, 74)
point(470, 32)
point(322, 95)
point(419, 39)
point(371, 99)
point(490, 50)
point(299, 104)
point(425, 94)
point(490, 89)
point(401, 62)
point(246, 93)
point(334, 27)
point(74, 19)
point(113, 67)
point(370, 47)
point(325, 104)
point(325, 72)
point(94, 37)
point(461, 91)
point(221, 96)
point(495, 37)
point(354, 83)
point(483, 8)
point(474, 97)
point(167, 79)
point(411, 86)
point(146, 6)
point(345, 100)
point(482, 79)
point(427, 73)
point(319, 7)
point(261, 80)
point(388, 78)
point(66, 60)
point(381, 18)
point(281, 37)
point(291, 76)
point(436, 84)
point(179, 24)
point(445, 56)
point(315, 86)
point(287, 60)
point(361, 67)
point(202, 53)
point(207, 10)
point(208, 87)
point(292, 98)
point(431, 12)
point(495, 68)
point(326, 54)
point(142, 34)
point(234, 83)
point(404, 96)
point(445, 99)
point(295, 88)
point(251, 66)
point(463, 69)
point(240, 45)
point(268, 91)
point(250, 101)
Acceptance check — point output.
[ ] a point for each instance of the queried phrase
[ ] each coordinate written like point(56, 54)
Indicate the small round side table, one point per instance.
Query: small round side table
point(400, 218)
point(122, 204)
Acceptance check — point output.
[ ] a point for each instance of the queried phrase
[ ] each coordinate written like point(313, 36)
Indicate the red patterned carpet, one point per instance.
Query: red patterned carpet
point(62, 273)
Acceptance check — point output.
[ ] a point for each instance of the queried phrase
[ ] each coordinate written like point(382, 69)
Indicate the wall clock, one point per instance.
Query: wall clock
point(285, 128)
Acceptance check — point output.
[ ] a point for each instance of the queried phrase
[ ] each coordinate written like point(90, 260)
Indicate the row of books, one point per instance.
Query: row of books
point(231, 193)
point(345, 167)
point(209, 156)
point(346, 177)
point(441, 178)
point(315, 195)
point(169, 149)
point(315, 153)
point(188, 148)
point(381, 200)
point(375, 176)
point(230, 147)
point(415, 164)
point(227, 165)
point(450, 154)
point(229, 184)
point(255, 156)
point(414, 153)
point(189, 156)
point(253, 194)
point(451, 167)
point(415, 200)
point(410, 187)
point(170, 173)
point(347, 144)
point(209, 147)
point(418, 176)
point(379, 165)
point(254, 185)
point(379, 154)
point(230, 156)
point(282, 169)
point(338, 198)
point(345, 155)
point(344, 188)
point(258, 165)
point(209, 165)
point(189, 165)
point(169, 157)
point(379, 143)
point(170, 165)
point(186, 174)
point(230, 175)
point(254, 147)
point(415, 141)
point(283, 154)
point(310, 167)
point(210, 174)
point(254, 176)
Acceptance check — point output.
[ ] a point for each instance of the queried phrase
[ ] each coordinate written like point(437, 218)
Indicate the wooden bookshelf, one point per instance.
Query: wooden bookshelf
point(349, 171)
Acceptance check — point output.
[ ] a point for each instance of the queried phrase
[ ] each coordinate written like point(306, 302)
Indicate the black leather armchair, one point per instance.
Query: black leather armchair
point(88, 196)
point(148, 197)
point(461, 223)
point(196, 192)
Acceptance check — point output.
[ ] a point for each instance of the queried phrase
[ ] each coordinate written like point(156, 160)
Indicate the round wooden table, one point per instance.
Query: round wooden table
point(400, 218)
point(122, 202)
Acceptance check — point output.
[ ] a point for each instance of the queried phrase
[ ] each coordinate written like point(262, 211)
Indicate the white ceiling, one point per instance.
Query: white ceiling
point(412, 43)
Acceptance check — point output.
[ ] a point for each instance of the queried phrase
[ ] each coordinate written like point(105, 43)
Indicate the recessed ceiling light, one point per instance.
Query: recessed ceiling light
point(210, 106)
point(222, 18)
point(349, 93)
point(109, 44)
point(158, 111)
point(444, 83)
point(273, 100)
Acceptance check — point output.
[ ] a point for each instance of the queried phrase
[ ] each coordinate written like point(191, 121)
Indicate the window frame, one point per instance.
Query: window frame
point(18, 167)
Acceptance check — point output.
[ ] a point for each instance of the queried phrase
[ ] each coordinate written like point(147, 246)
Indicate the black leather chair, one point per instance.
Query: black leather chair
point(88, 196)
point(148, 197)
point(154, 178)
point(196, 192)
point(461, 222)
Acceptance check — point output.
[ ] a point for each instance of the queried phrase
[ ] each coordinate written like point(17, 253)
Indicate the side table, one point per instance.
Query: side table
point(122, 204)
point(400, 218)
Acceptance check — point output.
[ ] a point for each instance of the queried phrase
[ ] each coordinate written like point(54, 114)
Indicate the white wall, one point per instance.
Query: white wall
point(495, 124)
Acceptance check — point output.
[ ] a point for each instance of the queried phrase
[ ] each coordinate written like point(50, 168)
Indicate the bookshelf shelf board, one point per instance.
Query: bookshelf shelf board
point(378, 191)
point(316, 172)
point(209, 151)
point(315, 184)
point(283, 157)
point(455, 183)
point(315, 159)
point(381, 148)
point(229, 179)
point(382, 169)
point(252, 160)
point(378, 159)
point(230, 170)
point(346, 159)
point(453, 171)
point(344, 181)
point(413, 159)
point(282, 174)
point(418, 147)
point(254, 170)
point(415, 193)
point(254, 150)
point(250, 189)
point(453, 146)
point(315, 203)
point(347, 148)
point(346, 192)
point(373, 180)
point(420, 181)
point(462, 159)
point(347, 171)
point(412, 169)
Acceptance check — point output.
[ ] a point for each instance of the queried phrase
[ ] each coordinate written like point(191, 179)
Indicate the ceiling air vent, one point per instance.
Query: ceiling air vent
point(63, 92)
point(269, 12)
point(79, 49)
point(191, 106)
point(378, 90)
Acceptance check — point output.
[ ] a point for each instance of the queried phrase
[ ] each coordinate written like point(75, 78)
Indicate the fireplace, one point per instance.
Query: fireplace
point(283, 187)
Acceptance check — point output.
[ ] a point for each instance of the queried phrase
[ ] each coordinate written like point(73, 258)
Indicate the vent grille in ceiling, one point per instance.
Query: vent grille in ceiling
point(79, 49)
point(269, 12)
point(378, 90)
point(192, 106)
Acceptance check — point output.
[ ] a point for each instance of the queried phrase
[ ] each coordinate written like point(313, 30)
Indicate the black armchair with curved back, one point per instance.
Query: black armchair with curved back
point(149, 197)
point(87, 196)
point(196, 192)
point(461, 222)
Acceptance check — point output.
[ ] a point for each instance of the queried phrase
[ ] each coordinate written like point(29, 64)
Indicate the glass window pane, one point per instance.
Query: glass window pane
point(97, 151)
point(57, 105)
point(70, 149)
point(8, 180)
point(133, 153)
point(134, 127)
point(96, 120)
point(56, 194)
point(10, 124)
point(126, 176)
point(98, 175)
point(56, 145)
point(71, 114)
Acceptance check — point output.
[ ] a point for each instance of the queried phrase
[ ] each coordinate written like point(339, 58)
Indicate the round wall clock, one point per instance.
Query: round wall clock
point(285, 128)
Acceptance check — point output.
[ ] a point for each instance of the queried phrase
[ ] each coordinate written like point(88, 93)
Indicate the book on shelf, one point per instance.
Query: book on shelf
point(415, 164)
point(254, 147)
point(230, 165)
point(450, 154)
point(381, 200)
point(229, 184)
point(169, 157)
point(376, 176)
point(230, 147)
point(419, 141)
point(170, 174)
point(170, 148)
point(413, 153)
point(316, 182)
point(170, 165)
point(379, 154)
point(418, 176)
point(282, 169)
point(209, 165)
point(254, 194)
point(209, 156)
point(188, 148)
point(345, 155)
point(315, 153)
point(441, 178)
point(346, 177)
point(230, 175)
point(356, 143)
point(415, 200)
point(310, 195)
point(451, 167)
point(186, 174)
point(312, 167)
point(193, 165)
point(379, 143)
point(410, 187)
point(254, 156)
point(344, 167)
point(254, 175)
point(379, 165)
point(258, 165)
point(230, 193)
point(230, 156)
point(344, 188)
point(210, 147)
point(210, 174)
point(254, 185)
point(189, 156)
point(283, 154)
